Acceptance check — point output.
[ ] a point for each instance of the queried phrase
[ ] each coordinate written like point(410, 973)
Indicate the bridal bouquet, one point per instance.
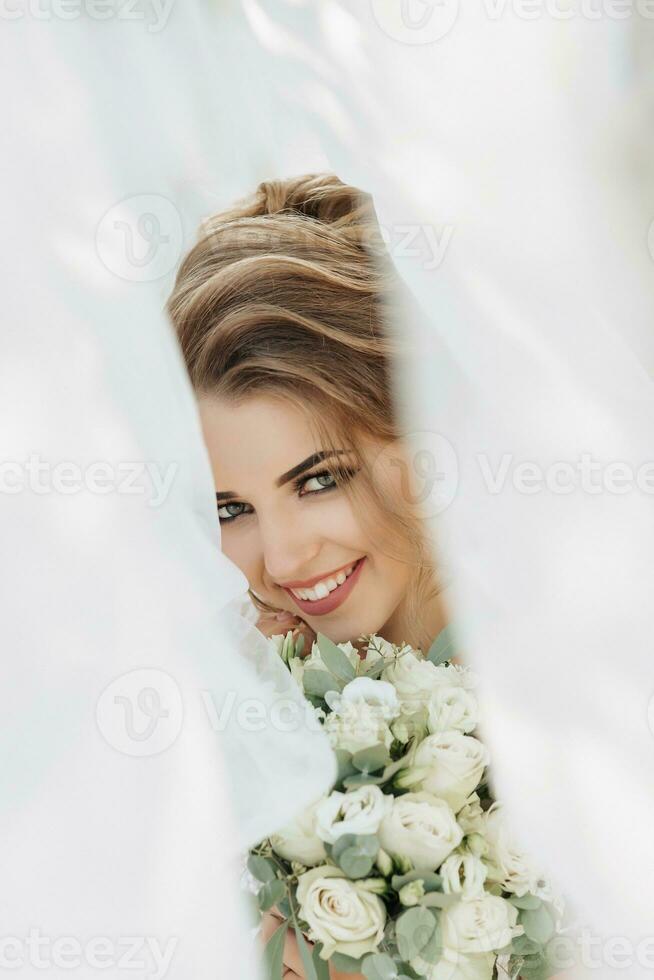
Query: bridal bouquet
point(407, 868)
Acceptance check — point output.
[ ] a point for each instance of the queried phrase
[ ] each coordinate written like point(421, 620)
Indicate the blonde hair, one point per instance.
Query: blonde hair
point(290, 293)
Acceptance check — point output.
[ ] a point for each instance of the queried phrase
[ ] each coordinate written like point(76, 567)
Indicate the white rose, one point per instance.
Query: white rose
point(415, 680)
point(463, 874)
point(375, 693)
point(340, 913)
point(451, 765)
point(357, 725)
point(452, 708)
point(471, 817)
point(360, 811)
point(479, 925)
point(421, 828)
point(508, 864)
point(298, 840)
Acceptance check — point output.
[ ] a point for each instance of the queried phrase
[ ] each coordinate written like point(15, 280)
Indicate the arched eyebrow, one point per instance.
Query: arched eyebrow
point(295, 471)
point(307, 464)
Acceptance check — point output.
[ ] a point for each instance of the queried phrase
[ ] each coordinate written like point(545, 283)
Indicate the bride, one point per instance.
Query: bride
point(282, 311)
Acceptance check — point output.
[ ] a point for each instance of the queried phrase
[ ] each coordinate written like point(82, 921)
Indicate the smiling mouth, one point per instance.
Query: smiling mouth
point(329, 592)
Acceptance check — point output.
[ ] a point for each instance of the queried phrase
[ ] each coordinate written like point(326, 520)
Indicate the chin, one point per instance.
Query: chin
point(341, 632)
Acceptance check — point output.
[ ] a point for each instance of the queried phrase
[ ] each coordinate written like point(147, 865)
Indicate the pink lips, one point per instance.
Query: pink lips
point(322, 606)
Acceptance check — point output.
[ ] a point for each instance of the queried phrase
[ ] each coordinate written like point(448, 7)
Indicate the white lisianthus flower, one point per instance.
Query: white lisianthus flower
point(379, 647)
point(479, 925)
point(451, 765)
point(376, 694)
point(298, 840)
point(357, 725)
point(471, 818)
point(508, 864)
point(422, 828)
point(341, 914)
point(297, 667)
point(359, 811)
point(463, 874)
point(452, 708)
point(409, 726)
point(415, 680)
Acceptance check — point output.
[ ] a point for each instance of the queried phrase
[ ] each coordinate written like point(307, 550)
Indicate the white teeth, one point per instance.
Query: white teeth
point(322, 589)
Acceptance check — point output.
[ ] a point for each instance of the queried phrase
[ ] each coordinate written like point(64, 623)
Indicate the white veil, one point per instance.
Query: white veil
point(512, 176)
point(134, 689)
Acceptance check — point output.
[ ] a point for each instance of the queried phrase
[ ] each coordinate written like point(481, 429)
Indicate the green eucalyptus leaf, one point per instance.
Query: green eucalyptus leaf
point(375, 669)
point(261, 868)
point(342, 843)
point(355, 864)
point(430, 879)
point(527, 901)
point(413, 930)
point(362, 779)
point(371, 759)
point(284, 907)
point(274, 953)
point(439, 900)
point(334, 659)
point(346, 964)
point(379, 966)
point(433, 950)
point(299, 646)
point(345, 765)
point(320, 966)
point(319, 682)
point(538, 923)
point(366, 843)
point(271, 893)
point(444, 646)
point(523, 946)
point(305, 955)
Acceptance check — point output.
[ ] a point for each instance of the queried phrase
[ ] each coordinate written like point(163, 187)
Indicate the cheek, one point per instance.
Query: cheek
point(338, 521)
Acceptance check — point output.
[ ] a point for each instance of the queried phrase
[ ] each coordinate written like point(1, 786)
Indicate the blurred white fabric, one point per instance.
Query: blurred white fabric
point(506, 148)
point(130, 672)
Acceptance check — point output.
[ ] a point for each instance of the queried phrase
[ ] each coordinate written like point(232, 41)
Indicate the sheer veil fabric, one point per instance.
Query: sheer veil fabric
point(512, 173)
point(147, 738)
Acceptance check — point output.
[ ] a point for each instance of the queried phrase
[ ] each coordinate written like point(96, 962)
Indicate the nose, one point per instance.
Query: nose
point(289, 550)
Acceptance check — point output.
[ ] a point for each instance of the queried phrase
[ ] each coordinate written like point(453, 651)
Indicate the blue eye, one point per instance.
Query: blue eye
point(230, 515)
point(318, 477)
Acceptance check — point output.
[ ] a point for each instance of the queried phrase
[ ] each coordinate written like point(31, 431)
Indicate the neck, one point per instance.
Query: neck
point(435, 618)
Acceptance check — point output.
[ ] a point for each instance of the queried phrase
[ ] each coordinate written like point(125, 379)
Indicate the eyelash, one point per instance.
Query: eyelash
point(347, 474)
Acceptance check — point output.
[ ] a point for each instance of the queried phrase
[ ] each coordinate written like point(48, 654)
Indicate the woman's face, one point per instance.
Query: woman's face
point(285, 524)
